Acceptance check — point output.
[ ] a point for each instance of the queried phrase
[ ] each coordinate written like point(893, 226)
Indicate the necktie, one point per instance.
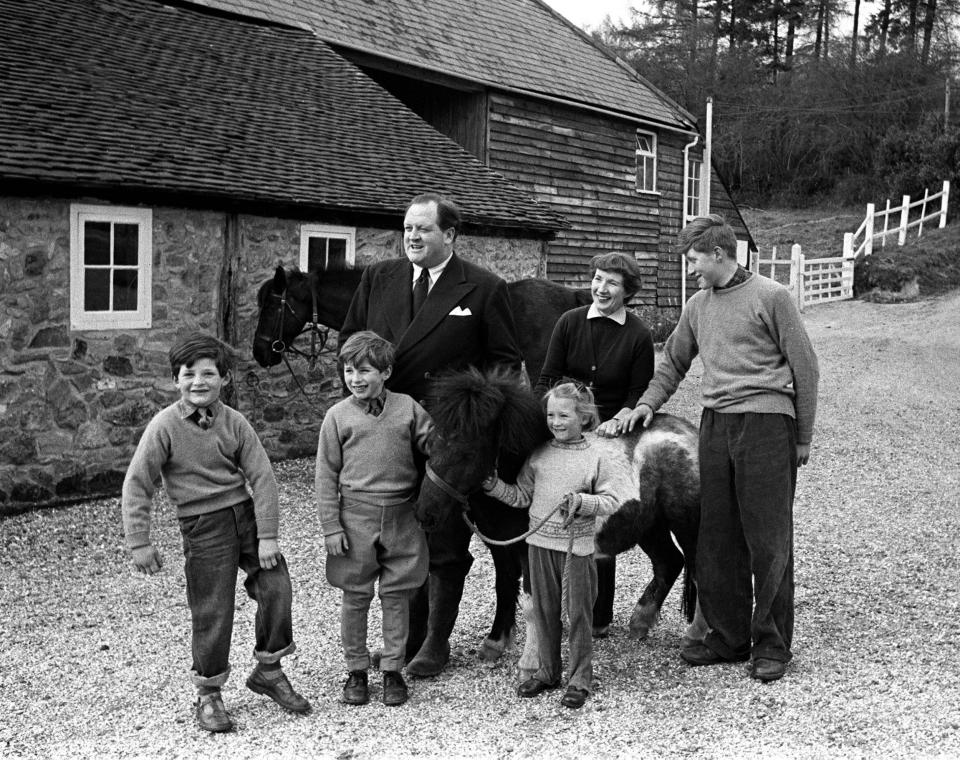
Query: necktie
point(420, 290)
point(204, 418)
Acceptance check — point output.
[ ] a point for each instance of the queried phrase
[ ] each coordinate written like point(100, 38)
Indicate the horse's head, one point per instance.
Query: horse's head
point(285, 306)
point(480, 419)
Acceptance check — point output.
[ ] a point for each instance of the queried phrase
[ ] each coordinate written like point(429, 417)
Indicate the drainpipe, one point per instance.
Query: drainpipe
point(683, 217)
point(707, 162)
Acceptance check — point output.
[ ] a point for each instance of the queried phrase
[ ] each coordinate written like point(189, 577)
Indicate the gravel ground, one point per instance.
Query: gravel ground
point(94, 657)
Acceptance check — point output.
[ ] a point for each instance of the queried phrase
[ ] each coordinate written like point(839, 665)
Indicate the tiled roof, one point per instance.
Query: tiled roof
point(152, 97)
point(513, 44)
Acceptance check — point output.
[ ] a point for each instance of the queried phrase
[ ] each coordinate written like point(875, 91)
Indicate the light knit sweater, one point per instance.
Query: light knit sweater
point(367, 458)
point(202, 470)
point(551, 472)
point(757, 356)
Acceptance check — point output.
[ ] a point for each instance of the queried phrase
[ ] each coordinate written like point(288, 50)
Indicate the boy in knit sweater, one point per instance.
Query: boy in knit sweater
point(759, 393)
point(207, 456)
point(366, 485)
point(571, 472)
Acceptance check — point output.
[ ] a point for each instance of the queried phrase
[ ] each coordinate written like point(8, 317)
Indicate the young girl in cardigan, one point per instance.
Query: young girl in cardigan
point(568, 470)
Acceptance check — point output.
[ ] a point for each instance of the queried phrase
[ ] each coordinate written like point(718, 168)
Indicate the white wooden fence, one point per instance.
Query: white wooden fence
point(811, 281)
point(861, 241)
point(822, 280)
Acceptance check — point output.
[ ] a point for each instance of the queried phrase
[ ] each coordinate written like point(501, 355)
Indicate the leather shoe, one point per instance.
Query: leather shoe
point(212, 715)
point(534, 686)
point(278, 688)
point(701, 654)
point(765, 669)
point(574, 698)
point(394, 689)
point(355, 690)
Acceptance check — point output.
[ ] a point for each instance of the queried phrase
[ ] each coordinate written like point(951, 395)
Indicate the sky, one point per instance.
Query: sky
point(592, 12)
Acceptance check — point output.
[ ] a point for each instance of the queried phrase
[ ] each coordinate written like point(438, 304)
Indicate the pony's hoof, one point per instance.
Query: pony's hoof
point(638, 632)
point(491, 650)
point(429, 661)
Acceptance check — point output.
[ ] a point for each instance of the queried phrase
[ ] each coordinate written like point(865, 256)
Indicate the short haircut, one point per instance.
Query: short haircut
point(705, 233)
point(366, 346)
point(448, 213)
point(582, 397)
point(191, 346)
point(622, 263)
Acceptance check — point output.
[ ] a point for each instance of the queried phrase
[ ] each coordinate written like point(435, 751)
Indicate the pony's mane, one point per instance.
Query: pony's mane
point(472, 404)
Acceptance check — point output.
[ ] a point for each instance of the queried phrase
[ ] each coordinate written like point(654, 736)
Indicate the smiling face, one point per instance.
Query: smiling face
point(607, 291)
point(562, 419)
point(200, 383)
point(364, 380)
point(711, 268)
point(425, 244)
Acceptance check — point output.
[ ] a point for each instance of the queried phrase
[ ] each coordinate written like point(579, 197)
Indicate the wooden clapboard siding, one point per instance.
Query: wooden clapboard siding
point(584, 166)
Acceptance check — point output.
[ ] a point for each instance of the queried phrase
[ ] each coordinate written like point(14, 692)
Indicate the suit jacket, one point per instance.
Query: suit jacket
point(466, 320)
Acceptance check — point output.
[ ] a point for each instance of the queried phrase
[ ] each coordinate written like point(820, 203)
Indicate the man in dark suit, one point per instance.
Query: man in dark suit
point(441, 313)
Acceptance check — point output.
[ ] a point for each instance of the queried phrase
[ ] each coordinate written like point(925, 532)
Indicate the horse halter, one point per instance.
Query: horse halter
point(448, 489)
point(279, 346)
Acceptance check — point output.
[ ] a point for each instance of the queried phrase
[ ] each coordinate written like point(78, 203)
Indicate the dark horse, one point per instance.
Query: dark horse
point(289, 301)
point(481, 417)
point(292, 301)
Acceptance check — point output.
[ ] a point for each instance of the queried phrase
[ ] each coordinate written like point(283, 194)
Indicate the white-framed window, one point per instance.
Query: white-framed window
point(646, 162)
point(694, 174)
point(324, 247)
point(111, 256)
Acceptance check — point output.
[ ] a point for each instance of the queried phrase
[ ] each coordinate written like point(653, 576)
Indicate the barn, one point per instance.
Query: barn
point(157, 160)
point(539, 101)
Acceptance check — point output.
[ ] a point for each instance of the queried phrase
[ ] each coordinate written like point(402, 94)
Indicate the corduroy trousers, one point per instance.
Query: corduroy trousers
point(744, 564)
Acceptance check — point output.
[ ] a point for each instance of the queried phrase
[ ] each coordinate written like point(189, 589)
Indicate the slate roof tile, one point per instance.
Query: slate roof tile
point(146, 96)
point(515, 44)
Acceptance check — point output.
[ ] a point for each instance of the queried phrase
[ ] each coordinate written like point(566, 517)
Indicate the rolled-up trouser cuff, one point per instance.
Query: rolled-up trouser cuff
point(211, 682)
point(269, 658)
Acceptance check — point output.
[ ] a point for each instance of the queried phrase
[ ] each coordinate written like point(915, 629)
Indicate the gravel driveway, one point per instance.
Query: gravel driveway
point(94, 657)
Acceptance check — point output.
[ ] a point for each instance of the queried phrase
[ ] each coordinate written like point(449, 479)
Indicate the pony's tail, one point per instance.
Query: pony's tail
point(688, 602)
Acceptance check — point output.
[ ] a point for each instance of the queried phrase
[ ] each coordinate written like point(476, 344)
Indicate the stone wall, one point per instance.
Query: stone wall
point(74, 403)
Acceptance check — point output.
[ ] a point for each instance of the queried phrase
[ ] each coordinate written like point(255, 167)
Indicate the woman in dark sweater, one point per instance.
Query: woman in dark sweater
point(609, 349)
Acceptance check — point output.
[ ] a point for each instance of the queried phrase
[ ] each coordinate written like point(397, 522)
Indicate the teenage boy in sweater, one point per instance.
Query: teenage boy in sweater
point(207, 455)
point(759, 393)
point(366, 484)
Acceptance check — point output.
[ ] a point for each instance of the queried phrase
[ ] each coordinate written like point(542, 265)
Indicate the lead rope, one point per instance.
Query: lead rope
point(565, 581)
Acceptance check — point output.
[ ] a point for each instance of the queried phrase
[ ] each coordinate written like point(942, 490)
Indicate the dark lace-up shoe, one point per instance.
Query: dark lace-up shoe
point(534, 686)
point(212, 715)
point(394, 689)
point(765, 669)
point(574, 698)
point(355, 690)
point(276, 686)
point(701, 654)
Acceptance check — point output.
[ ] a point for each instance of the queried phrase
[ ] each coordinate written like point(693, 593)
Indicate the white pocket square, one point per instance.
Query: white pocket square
point(458, 312)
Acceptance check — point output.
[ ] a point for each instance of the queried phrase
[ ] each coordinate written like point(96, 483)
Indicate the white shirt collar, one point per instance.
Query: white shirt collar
point(435, 272)
point(619, 316)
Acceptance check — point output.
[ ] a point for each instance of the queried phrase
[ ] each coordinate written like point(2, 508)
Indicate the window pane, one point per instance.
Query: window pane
point(96, 243)
point(337, 257)
point(124, 289)
point(96, 290)
point(316, 254)
point(645, 143)
point(126, 238)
